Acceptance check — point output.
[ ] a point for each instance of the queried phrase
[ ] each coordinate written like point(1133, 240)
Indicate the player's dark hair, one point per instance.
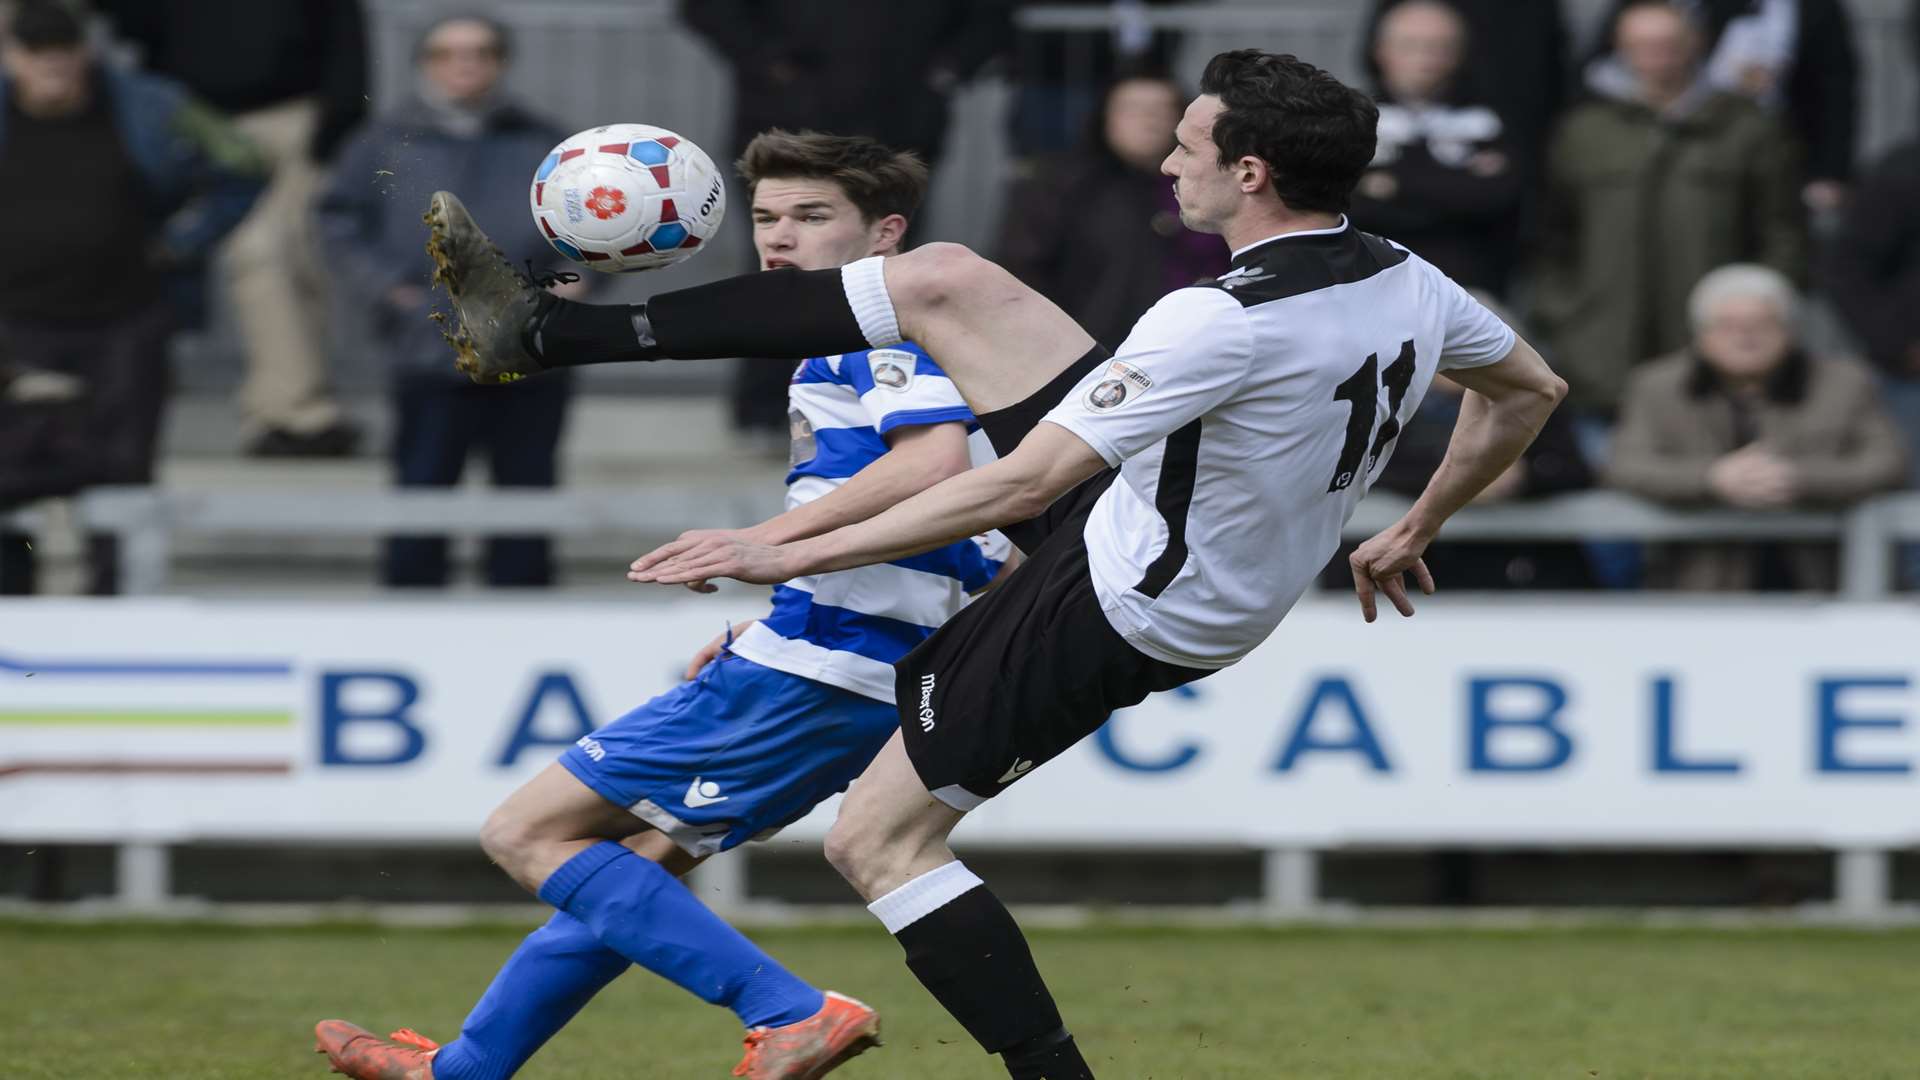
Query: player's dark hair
point(878, 179)
point(1315, 133)
point(46, 24)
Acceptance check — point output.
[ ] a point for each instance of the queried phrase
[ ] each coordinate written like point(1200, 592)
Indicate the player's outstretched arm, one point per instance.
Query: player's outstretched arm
point(917, 458)
point(1048, 463)
point(1506, 405)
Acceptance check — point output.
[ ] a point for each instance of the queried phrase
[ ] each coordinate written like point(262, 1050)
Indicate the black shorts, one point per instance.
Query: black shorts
point(1032, 667)
point(1006, 427)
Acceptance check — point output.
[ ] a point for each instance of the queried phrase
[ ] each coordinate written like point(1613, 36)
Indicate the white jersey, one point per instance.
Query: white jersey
point(1248, 417)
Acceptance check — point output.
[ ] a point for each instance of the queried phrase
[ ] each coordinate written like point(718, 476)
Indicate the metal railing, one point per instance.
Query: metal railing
point(147, 520)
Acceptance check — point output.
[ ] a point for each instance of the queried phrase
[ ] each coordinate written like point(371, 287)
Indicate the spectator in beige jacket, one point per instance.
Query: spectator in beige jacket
point(1747, 418)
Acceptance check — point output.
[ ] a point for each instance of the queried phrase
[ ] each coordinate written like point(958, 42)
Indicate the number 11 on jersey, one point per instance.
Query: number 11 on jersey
point(1361, 391)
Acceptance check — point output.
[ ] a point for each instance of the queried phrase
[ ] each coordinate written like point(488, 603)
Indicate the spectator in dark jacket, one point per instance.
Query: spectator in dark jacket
point(881, 68)
point(1516, 65)
point(1648, 189)
point(1443, 180)
point(853, 67)
point(1552, 465)
point(1794, 57)
point(459, 133)
point(1873, 277)
point(1098, 231)
point(147, 182)
point(292, 75)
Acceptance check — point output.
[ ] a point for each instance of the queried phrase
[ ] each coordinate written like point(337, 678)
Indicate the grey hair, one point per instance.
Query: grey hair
point(1743, 280)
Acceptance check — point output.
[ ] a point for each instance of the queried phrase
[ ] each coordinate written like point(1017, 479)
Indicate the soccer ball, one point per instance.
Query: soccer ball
point(627, 197)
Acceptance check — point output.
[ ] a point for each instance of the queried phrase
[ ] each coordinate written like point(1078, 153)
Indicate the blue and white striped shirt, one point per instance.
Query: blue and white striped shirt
point(847, 628)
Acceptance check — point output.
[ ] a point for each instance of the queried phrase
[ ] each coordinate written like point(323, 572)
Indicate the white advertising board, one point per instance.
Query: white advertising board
point(1525, 722)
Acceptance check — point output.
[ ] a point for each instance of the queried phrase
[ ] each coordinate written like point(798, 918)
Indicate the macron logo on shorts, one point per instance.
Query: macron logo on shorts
point(926, 702)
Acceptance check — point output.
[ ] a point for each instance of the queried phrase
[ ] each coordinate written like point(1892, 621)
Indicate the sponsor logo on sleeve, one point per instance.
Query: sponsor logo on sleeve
point(892, 369)
point(1123, 383)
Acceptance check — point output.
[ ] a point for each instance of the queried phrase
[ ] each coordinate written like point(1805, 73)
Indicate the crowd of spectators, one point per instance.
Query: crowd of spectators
point(1659, 213)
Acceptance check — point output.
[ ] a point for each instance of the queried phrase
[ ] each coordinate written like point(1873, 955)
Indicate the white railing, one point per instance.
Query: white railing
point(148, 519)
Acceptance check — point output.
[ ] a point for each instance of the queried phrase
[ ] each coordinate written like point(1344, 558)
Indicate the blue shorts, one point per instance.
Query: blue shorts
point(735, 755)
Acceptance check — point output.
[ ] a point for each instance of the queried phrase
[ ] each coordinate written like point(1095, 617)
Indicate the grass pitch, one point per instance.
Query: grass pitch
point(212, 1003)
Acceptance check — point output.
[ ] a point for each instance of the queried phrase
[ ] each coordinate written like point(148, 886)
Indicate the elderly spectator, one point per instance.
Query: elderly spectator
point(1098, 231)
point(292, 75)
point(85, 317)
point(457, 131)
point(1648, 189)
point(1793, 57)
point(1443, 181)
point(1516, 65)
point(1748, 419)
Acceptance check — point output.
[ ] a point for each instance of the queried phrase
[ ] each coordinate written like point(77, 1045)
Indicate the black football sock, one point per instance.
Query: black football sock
point(1052, 1056)
point(965, 948)
point(778, 314)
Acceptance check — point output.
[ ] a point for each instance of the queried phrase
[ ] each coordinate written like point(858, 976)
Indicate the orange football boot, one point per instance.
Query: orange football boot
point(362, 1055)
point(814, 1047)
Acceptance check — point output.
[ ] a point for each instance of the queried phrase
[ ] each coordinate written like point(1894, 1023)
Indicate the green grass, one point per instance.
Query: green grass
point(211, 1003)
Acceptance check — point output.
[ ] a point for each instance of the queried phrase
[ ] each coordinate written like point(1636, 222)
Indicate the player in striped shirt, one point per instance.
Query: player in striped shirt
point(777, 714)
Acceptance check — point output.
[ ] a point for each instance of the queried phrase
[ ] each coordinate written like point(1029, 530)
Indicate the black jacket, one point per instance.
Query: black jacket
point(239, 55)
point(1516, 65)
point(1449, 187)
point(1873, 261)
point(1823, 89)
point(881, 68)
point(1554, 466)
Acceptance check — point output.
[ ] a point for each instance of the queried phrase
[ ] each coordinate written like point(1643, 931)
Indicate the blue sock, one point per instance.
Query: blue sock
point(553, 973)
point(643, 913)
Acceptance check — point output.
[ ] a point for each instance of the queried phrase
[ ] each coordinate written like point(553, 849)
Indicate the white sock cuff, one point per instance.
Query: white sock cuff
point(923, 896)
point(866, 286)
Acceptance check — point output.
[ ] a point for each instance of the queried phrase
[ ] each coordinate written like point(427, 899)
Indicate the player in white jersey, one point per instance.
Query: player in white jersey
point(1173, 501)
point(775, 716)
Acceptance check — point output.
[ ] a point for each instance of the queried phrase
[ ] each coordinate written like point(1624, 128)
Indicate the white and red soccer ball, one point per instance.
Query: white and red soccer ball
point(628, 197)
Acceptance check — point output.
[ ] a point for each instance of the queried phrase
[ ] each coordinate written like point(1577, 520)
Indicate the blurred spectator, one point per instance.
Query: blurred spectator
point(147, 182)
point(1793, 57)
point(1443, 180)
point(1872, 274)
point(1748, 419)
point(880, 68)
point(1098, 231)
point(292, 74)
point(1058, 74)
point(1516, 65)
point(1551, 466)
point(1649, 187)
point(852, 67)
point(457, 132)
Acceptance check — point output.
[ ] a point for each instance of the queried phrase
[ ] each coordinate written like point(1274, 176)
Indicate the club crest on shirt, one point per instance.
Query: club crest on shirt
point(1123, 383)
point(804, 446)
point(892, 369)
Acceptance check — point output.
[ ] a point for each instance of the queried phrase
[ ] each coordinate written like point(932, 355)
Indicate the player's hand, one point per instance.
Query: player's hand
point(715, 647)
point(705, 558)
point(708, 534)
point(1378, 566)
